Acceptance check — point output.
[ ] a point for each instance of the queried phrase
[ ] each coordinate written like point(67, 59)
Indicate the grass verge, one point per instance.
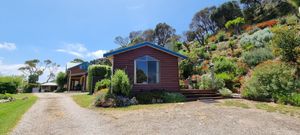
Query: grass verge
point(12, 112)
point(235, 104)
point(284, 109)
point(84, 100)
point(269, 107)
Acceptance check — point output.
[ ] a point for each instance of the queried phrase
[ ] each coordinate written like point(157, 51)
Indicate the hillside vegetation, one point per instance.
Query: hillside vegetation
point(249, 47)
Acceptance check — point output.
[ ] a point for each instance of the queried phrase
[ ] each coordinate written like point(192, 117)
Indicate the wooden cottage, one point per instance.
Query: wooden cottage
point(149, 66)
point(77, 76)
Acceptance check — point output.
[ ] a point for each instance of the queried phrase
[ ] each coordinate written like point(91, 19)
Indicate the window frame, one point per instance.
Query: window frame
point(157, 68)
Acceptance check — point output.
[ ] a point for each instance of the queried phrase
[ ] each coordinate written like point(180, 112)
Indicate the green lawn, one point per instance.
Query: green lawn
point(86, 101)
point(11, 112)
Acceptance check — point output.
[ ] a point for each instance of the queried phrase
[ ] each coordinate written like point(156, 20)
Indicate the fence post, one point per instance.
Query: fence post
point(211, 66)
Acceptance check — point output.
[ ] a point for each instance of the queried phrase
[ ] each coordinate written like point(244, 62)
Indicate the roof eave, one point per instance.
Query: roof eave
point(110, 54)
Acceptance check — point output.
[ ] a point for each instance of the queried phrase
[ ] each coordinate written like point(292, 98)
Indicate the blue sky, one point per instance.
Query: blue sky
point(62, 30)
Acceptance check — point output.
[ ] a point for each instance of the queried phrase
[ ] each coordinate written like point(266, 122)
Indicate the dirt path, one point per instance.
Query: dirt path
point(57, 114)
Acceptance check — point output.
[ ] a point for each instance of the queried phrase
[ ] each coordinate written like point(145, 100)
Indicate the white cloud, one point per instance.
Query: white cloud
point(76, 49)
point(10, 69)
point(97, 54)
point(8, 46)
point(79, 50)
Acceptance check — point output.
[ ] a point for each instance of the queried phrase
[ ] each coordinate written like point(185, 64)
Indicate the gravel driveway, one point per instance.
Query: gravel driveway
point(57, 114)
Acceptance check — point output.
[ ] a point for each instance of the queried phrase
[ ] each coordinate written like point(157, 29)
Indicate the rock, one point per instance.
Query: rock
point(122, 101)
point(4, 100)
point(110, 102)
point(153, 101)
point(133, 101)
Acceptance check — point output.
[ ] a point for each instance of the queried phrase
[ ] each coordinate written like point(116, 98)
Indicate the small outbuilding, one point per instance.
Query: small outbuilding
point(48, 87)
point(149, 66)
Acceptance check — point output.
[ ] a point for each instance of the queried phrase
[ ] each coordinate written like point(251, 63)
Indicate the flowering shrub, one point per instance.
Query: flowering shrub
point(247, 27)
point(212, 39)
point(265, 24)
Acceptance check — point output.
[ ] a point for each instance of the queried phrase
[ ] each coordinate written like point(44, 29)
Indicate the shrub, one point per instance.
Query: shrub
point(120, 83)
point(287, 44)
point(256, 56)
point(265, 24)
point(61, 90)
point(61, 80)
point(225, 92)
point(269, 80)
point(223, 64)
point(150, 97)
point(182, 84)
point(28, 87)
point(206, 82)
point(173, 97)
point(248, 46)
point(213, 47)
point(212, 39)
point(228, 79)
point(291, 20)
point(282, 21)
point(221, 36)
point(186, 68)
point(101, 71)
point(253, 30)
point(104, 83)
point(235, 24)
point(200, 52)
point(242, 68)
point(8, 87)
point(258, 39)
point(159, 97)
point(294, 99)
point(247, 27)
point(12, 83)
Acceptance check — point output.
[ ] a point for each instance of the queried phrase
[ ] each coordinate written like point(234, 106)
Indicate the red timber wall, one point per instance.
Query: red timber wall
point(169, 79)
point(76, 70)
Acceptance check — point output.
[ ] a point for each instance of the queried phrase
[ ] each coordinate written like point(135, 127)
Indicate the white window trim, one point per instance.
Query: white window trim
point(157, 73)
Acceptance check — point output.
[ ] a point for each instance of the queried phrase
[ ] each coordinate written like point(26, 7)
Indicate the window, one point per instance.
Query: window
point(146, 70)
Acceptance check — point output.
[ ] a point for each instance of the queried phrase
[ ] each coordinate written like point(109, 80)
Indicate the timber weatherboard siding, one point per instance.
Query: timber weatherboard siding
point(168, 68)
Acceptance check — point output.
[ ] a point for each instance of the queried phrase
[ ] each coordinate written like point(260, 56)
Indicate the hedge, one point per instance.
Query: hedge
point(101, 71)
point(8, 87)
